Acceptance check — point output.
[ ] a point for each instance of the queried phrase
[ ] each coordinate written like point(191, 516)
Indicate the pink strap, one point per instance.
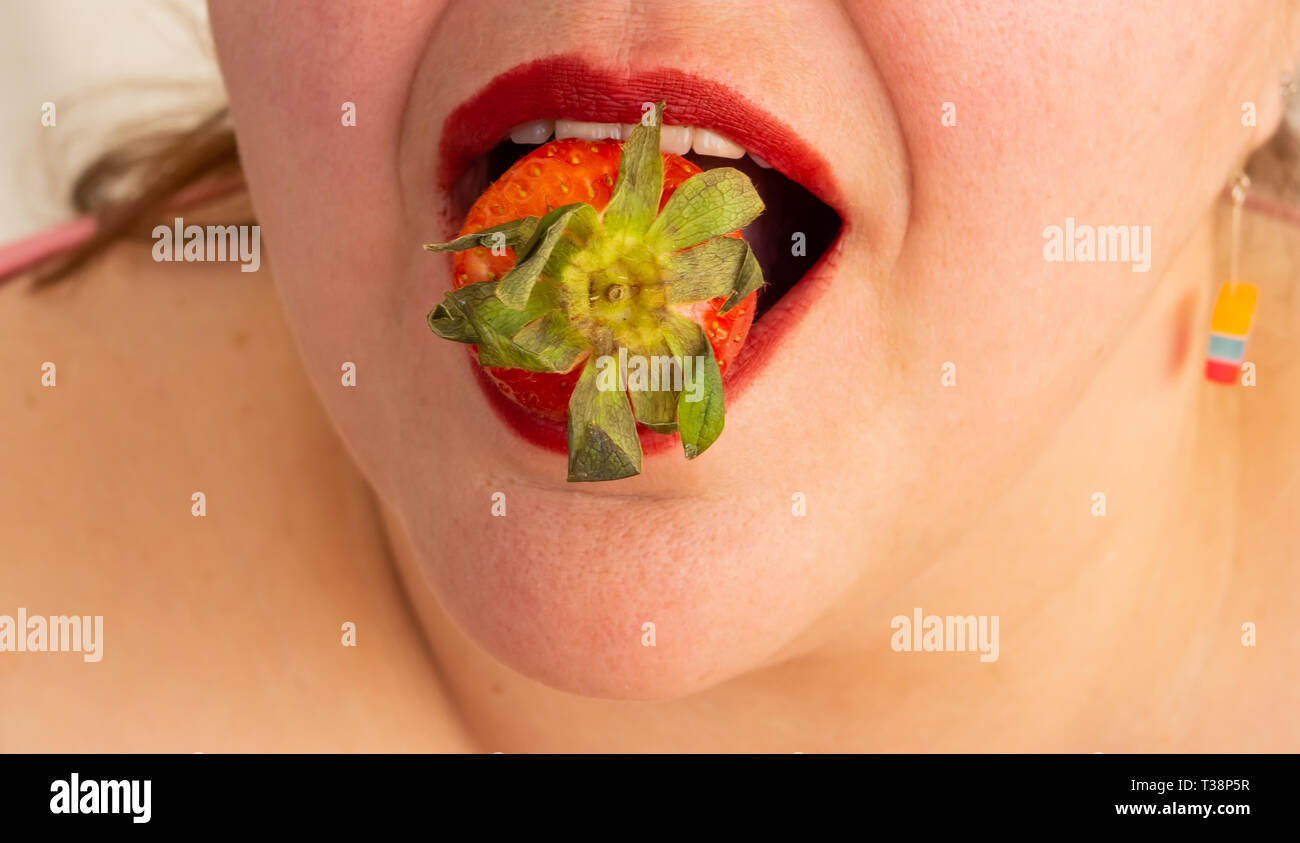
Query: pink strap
point(26, 253)
point(30, 251)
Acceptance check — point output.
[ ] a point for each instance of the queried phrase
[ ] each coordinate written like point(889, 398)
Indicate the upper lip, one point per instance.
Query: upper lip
point(569, 87)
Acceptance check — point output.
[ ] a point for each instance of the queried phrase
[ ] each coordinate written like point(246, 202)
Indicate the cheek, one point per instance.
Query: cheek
point(317, 94)
point(1110, 114)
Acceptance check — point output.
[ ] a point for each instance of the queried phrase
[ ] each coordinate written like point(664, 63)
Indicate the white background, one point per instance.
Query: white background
point(102, 63)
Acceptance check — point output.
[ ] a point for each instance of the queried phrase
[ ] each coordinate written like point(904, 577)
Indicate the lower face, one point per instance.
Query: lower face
point(943, 137)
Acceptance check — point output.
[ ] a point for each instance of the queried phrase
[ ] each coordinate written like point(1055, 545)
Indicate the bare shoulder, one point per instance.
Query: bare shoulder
point(169, 474)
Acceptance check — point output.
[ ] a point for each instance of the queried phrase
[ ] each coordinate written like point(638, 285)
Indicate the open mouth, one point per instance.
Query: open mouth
point(709, 125)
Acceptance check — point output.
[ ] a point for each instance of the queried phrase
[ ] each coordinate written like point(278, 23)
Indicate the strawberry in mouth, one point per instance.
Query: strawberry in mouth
point(591, 280)
point(557, 174)
point(607, 286)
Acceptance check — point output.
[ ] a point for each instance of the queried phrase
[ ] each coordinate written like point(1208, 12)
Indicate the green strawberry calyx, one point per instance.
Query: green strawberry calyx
point(586, 285)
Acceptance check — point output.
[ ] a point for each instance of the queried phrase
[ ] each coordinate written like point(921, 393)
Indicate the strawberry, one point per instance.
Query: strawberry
point(553, 175)
point(562, 269)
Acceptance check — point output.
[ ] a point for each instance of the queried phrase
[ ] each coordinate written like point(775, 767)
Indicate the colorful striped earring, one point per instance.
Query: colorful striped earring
point(1234, 309)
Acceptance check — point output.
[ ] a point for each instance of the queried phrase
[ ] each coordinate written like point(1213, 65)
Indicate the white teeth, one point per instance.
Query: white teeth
point(587, 131)
point(675, 139)
point(535, 132)
point(706, 142)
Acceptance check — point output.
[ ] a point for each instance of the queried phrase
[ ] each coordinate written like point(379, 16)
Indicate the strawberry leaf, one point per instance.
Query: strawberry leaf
point(603, 444)
point(651, 384)
point(579, 219)
point(512, 234)
point(552, 339)
point(749, 279)
point(640, 180)
point(705, 205)
point(723, 266)
point(448, 320)
point(700, 411)
point(474, 315)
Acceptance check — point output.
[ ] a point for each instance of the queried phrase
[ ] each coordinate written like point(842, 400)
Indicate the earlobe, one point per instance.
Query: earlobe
point(1263, 116)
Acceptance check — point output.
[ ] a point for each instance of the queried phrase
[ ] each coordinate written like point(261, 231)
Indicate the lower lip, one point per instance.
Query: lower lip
point(569, 86)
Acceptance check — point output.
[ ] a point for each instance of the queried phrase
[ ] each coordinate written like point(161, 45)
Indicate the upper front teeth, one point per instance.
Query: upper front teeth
point(712, 143)
point(675, 139)
point(535, 132)
point(588, 131)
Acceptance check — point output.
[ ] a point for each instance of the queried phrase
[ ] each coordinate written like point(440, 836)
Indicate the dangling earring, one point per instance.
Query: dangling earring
point(1235, 307)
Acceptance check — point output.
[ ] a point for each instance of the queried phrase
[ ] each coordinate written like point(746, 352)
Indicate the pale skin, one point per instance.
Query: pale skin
point(372, 505)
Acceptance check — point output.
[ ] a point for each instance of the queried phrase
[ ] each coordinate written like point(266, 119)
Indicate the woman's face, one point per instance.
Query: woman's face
point(952, 134)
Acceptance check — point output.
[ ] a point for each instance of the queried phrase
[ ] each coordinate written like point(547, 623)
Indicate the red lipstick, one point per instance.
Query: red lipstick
point(570, 87)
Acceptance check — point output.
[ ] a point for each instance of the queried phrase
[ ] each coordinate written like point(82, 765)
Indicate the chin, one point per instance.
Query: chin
point(615, 610)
